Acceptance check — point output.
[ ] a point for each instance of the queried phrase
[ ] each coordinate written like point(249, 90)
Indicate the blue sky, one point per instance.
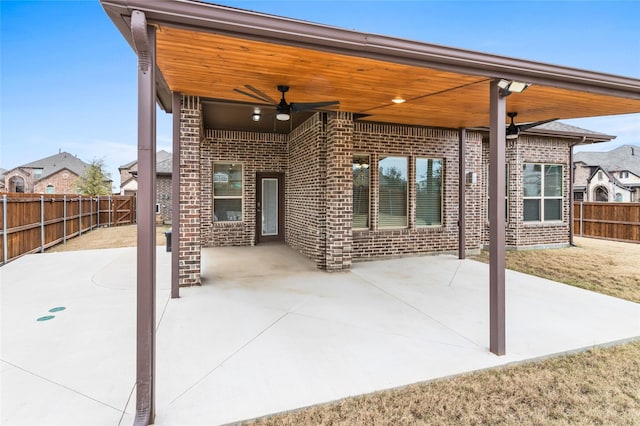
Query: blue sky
point(68, 78)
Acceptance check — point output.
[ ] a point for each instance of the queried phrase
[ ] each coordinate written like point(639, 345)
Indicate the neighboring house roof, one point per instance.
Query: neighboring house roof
point(55, 163)
point(161, 156)
point(164, 167)
point(564, 129)
point(624, 158)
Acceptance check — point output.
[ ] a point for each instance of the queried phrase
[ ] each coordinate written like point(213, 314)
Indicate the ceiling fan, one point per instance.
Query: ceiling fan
point(283, 108)
point(513, 130)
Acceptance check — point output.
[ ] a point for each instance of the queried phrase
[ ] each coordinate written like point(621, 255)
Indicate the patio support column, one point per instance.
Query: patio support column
point(339, 195)
point(497, 142)
point(144, 41)
point(175, 198)
point(462, 213)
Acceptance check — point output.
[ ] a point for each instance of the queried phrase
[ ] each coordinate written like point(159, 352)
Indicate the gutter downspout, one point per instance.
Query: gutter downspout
point(571, 178)
point(144, 37)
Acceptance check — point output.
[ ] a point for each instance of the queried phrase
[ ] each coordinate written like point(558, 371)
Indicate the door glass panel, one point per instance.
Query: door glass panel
point(269, 206)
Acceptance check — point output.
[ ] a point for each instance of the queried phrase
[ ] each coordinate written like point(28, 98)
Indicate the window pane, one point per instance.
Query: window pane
point(552, 209)
point(360, 191)
point(269, 206)
point(227, 209)
point(392, 192)
point(531, 179)
point(227, 180)
point(552, 181)
point(428, 192)
point(531, 210)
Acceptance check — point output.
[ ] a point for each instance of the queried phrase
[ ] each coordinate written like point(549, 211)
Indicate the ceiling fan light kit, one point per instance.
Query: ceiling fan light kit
point(283, 108)
point(513, 130)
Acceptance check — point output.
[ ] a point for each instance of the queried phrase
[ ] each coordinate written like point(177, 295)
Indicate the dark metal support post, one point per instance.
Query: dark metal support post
point(144, 38)
point(175, 199)
point(462, 223)
point(497, 142)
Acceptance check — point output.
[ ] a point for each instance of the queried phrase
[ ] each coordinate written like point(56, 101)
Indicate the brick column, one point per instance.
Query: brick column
point(189, 215)
point(339, 191)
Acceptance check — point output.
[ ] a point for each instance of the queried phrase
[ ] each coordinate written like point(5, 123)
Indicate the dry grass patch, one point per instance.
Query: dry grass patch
point(608, 267)
point(113, 237)
point(601, 386)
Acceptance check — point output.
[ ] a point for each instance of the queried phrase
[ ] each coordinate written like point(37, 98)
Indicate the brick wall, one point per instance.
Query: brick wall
point(305, 190)
point(258, 152)
point(163, 196)
point(531, 149)
point(190, 204)
point(378, 140)
point(63, 181)
point(339, 191)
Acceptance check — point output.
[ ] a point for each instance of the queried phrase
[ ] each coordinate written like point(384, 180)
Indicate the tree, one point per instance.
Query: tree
point(95, 181)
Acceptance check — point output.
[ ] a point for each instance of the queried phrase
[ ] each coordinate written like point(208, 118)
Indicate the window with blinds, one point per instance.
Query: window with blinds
point(543, 193)
point(428, 192)
point(360, 192)
point(227, 192)
point(392, 192)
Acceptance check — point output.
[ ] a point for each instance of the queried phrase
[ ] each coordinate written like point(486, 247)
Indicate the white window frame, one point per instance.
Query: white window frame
point(415, 188)
point(369, 185)
point(542, 196)
point(215, 197)
point(408, 164)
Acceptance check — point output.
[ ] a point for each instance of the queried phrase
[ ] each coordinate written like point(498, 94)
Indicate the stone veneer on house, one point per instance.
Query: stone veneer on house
point(316, 159)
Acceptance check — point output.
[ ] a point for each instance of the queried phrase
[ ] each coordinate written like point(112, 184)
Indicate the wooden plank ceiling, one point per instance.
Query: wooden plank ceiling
point(211, 66)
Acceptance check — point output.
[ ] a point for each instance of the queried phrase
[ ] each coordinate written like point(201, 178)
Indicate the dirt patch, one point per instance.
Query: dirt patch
point(113, 237)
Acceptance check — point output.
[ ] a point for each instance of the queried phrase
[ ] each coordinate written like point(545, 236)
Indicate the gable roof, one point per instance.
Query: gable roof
point(55, 163)
point(625, 157)
point(161, 156)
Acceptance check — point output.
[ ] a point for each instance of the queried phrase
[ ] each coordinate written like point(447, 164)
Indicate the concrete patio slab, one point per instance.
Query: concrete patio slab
point(267, 332)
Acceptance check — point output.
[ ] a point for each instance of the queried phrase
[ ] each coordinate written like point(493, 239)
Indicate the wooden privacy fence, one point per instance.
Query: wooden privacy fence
point(611, 221)
point(32, 222)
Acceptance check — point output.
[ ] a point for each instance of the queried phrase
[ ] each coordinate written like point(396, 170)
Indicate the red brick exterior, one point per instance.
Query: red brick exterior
point(316, 159)
point(190, 191)
point(377, 140)
point(531, 149)
point(258, 152)
point(306, 194)
point(63, 181)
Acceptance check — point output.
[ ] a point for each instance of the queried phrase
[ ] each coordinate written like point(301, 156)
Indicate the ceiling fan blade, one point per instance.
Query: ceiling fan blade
point(306, 106)
point(523, 127)
point(251, 95)
point(261, 93)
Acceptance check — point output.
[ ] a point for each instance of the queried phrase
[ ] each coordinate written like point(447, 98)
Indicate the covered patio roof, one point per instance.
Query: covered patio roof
point(208, 50)
point(200, 49)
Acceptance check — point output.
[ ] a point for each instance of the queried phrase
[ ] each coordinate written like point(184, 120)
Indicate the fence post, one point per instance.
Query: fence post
point(90, 213)
point(98, 209)
point(4, 230)
point(42, 224)
point(80, 214)
point(109, 216)
point(581, 218)
point(64, 219)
